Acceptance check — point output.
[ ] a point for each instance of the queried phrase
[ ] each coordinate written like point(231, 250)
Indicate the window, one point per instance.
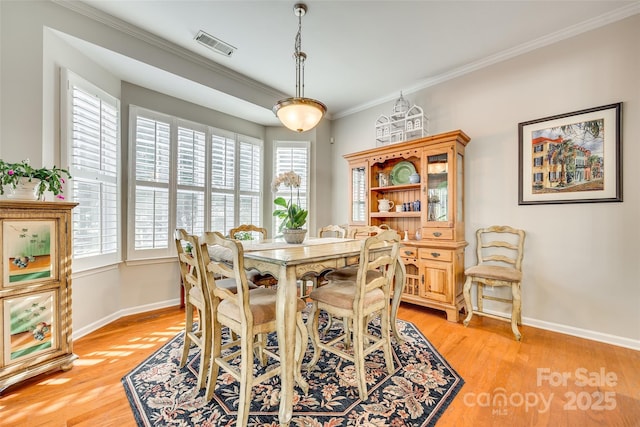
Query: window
point(91, 124)
point(236, 180)
point(292, 156)
point(189, 176)
point(537, 161)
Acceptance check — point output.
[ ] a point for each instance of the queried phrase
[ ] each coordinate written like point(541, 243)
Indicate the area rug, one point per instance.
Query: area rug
point(416, 394)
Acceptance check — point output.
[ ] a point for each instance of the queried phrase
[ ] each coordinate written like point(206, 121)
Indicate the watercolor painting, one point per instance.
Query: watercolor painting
point(28, 251)
point(571, 158)
point(30, 322)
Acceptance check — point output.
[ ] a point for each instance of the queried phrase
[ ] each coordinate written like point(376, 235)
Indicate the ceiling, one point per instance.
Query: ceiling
point(360, 53)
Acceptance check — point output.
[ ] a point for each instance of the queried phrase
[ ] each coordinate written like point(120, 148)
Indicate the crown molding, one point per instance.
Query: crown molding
point(167, 46)
point(571, 31)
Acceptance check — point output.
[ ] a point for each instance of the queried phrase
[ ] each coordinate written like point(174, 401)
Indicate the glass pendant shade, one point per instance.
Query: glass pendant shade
point(300, 114)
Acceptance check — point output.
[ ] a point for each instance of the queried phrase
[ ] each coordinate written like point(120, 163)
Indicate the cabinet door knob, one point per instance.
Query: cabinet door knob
point(422, 278)
point(437, 234)
point(435, 254)
point(407, 252)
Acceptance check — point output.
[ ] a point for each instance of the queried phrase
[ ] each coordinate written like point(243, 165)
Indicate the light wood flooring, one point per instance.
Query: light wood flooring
point(536, 382)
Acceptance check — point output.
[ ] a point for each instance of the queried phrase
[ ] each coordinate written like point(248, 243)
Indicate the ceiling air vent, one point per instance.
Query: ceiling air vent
point(214, 44)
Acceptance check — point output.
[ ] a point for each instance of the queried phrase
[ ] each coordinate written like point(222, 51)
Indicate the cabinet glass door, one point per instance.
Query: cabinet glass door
point(358, 195)
point(438, 187)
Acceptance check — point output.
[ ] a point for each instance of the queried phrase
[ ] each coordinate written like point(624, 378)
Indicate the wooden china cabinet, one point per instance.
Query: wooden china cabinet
point(429, 212)
point(35, 289)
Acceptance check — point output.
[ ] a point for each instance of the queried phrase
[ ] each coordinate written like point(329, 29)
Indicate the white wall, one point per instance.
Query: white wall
point(582, 261)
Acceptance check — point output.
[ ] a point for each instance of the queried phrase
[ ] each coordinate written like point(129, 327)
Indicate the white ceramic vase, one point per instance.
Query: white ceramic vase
point(25, 190)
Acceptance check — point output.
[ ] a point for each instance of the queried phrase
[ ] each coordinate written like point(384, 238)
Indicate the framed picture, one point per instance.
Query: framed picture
point(571, 158)
point(28, 251)
point(30, 322)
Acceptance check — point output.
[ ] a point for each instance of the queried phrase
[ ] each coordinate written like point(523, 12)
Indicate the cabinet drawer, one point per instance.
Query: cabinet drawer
point(408, 252)
point(438, 233)
point(436, 254)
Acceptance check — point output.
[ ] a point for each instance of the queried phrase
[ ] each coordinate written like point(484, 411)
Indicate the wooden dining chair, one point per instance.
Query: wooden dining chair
point(247, 313)
point(332, 231)
point(319, 278)
point(197, 301)
point(254, 232)
point(500, 250)
point(364, 231)
point(357, 301)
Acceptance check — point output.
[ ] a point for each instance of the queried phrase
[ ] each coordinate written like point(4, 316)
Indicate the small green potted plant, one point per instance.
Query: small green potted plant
point(293, 216)
point(14, 175)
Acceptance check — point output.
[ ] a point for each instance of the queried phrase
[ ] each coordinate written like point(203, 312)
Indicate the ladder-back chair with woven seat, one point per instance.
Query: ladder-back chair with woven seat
point(253, 232)
point(364, 231)
point(248, 314)
point(357, 301)
point(327, 231)
point(196, 301)
point(332, 231)
point(500, 250)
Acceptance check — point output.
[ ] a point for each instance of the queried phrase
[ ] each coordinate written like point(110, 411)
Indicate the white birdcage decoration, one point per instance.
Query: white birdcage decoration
point(405, 122)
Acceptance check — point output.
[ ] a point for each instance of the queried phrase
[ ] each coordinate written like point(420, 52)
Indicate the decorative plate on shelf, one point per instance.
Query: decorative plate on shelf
point(401, 172)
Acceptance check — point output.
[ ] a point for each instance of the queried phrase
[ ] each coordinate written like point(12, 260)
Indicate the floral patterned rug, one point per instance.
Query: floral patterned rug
point(416, 394)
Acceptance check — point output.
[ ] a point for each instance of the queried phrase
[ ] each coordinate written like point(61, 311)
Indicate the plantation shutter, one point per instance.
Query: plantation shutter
point(190, 205)
point(223, 154)
point(93, 153)
point(152, 171)
point(292, 156)
point(250, 174)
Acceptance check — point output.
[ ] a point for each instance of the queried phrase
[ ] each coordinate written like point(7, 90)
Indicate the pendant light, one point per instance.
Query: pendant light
point(299, 113)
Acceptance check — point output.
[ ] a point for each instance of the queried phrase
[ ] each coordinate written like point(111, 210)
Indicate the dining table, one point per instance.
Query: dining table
point(290, 263)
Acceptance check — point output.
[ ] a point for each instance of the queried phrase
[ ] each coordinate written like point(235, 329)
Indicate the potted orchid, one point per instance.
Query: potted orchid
point(15, 175)
point(293, 216)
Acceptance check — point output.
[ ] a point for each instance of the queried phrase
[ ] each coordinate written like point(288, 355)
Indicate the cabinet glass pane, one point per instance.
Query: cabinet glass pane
point(359, 188)
point(438, 187)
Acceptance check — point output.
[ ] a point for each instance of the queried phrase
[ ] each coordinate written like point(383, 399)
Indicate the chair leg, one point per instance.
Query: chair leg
point(216, 351)
point(205, 350)
point(466, 291)
point(246, 378)
point(260, 345)
point(312, 326)
point(480, 292)
point(358, 354)
point(187, 330)
point(516, 310)
point(386, 336)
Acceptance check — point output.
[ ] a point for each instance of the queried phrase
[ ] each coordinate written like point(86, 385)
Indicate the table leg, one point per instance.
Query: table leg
point(397, 295)
point(286, 327)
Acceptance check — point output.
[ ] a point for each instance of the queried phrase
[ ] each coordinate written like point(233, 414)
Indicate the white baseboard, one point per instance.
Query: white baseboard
point(576, 332)
point(121, 313)
point(583, 333)
point(527, 321)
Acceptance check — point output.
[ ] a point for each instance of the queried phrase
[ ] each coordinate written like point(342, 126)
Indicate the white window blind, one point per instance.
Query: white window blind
point(189, 176)
point(223, 172)
point(152, 169)
point(92, 132)
point(190, 206)
point(236, 189)
point(250, 181)
point(292, 156)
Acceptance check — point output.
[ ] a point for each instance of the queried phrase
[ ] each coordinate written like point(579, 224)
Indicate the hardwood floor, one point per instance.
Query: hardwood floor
point(536, 382)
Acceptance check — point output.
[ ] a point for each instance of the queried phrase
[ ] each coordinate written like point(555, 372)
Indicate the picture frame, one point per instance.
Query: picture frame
point(29, 251)
point(571, 158)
